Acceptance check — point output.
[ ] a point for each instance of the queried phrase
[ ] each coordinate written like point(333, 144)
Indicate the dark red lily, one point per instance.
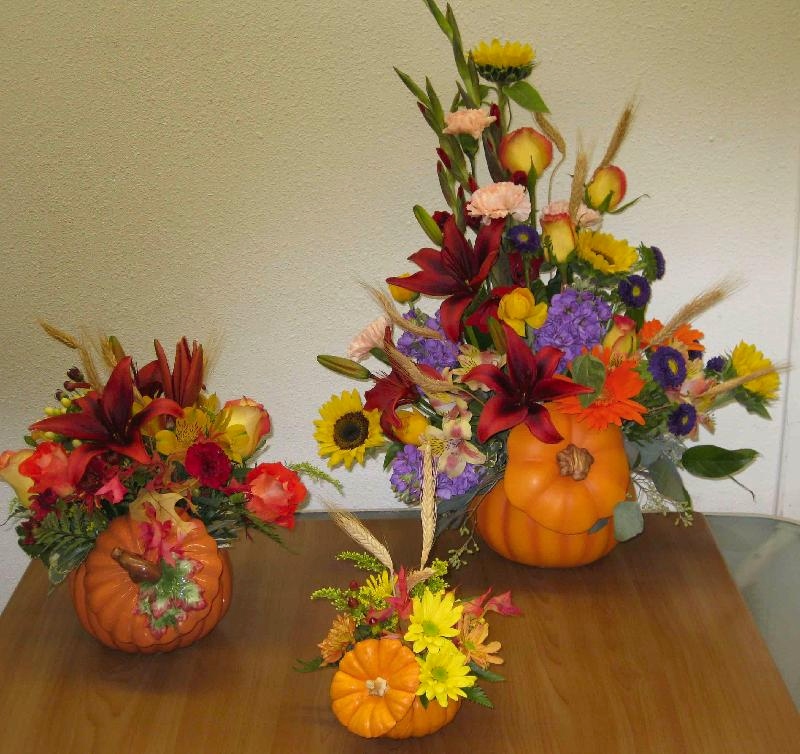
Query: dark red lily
point(488, 308)
point(457, 271)
point(519, 394)
point(183, 382)
point(106, 421)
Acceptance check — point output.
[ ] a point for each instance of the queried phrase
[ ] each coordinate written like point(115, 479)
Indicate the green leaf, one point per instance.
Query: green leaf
point(307, 666)
point(440, 19)
point(628, 520)
point(478, 695)
point(318, 475)
point(753, 403)
point(601, 523)
point(713, 462)
point(435, 106)
point(412, 87)
point(668, 480)
point(486, 675)
point(526, 96)
point(589, 371)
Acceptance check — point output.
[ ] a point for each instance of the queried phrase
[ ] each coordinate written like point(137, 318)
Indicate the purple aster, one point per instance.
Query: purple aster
point(682, 420)
point(668, 367)
point(716, 364)
point(406, 478)
point(523, 238)
point(438, 354)
point(576, 320)
point(658, 258)
point(634, 291)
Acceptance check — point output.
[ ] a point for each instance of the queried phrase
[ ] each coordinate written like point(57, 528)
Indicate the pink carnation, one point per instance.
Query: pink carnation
point(468, 121)
point(370, 337)
point(500, 200)
point(587, 217)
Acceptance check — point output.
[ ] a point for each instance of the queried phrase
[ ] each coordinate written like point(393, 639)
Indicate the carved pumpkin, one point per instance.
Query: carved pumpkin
point(113, 590)
point(549, 508)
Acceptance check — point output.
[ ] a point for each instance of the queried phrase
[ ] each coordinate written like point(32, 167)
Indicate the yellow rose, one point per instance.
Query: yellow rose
point(413, 424)
point(518, 308)
point(247, 423)
point(561, 233)
point(9, 473)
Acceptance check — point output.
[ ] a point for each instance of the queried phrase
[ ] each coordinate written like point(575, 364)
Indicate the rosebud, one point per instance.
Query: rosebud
point(621, 338)
point(412, 425)
point(347, 367)
point(561, 232)
point(607, 188)
point(523, 148)
point(402, 295)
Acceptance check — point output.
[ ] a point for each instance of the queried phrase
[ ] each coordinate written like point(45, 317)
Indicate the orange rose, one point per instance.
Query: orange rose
point(48, 466)
point(275, 492)
point(253, 422)
point(9, 473)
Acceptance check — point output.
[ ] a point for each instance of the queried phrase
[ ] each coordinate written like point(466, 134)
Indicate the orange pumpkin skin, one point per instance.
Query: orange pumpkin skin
point(105, 598)
point(422, 721)
point(539, 517)
point(391, 668)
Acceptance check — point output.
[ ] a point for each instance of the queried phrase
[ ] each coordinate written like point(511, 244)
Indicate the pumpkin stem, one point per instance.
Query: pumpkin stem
point(575, 462)
point(378, 687)
point(137, 567)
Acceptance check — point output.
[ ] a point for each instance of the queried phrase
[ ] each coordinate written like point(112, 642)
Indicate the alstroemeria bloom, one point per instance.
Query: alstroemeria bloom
point(274, 493)
point(518, 308)
point(451, 446)
point(470, 121)
point(498, 201)
point(10, 474)
point(252, 422)
point(561, 234)
point(471, 357)
point(519, 394)
point(457, 271)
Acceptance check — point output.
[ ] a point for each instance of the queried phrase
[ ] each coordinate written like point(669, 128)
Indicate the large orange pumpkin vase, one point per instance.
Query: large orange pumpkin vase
point(132, 603)
point(554, 506)
point(373, 693)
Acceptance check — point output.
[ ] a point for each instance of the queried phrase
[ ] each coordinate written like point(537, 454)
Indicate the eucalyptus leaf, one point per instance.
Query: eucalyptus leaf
point(628, 520)
point(526, 96)
point(601, 523)
point(667, 479)
point(713, 462)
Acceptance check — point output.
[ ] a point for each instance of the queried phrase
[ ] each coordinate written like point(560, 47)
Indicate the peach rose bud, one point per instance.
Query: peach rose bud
point(561, 233)
point(9, 473)
point(524, 147)
point(621, 338)
point(607, 184)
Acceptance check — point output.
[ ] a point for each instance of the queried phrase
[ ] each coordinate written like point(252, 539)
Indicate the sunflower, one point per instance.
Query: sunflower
point(504, 62)
point(346, 431)
point(605, 253)
point(432, 621)
point(444, 675)
point(746, 359)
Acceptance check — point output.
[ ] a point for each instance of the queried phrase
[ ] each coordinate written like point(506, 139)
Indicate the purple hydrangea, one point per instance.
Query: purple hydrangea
point(668, 367)
point(575, 320)
point(682, 420)
point(634, 291)
point(438, 354)
point(406, 478)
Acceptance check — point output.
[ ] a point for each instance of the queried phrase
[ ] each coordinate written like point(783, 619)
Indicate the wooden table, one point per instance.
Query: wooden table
point(649, 650)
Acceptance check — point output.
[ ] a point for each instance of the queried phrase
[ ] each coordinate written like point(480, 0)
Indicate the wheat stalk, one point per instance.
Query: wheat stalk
point(89, 368)
point(620, 132)
point(359, 533)
point(578, 183)
point(427, 503)
point(407, 367)
point(415, 577)
point(743, 379)
point(390, 310)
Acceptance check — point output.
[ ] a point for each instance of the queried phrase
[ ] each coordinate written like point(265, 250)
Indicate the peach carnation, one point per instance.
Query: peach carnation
point(469, 121)
point(500, 200)
point(370, 337)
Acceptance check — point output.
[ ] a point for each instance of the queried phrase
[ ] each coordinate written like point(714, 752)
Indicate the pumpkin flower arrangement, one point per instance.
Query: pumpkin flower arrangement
point(134, 484)
point(539, 361)
point(407, 650)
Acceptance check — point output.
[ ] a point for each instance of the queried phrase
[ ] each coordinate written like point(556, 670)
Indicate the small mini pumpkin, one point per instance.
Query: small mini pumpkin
point(131, 603)
point(422, 721)
point(554, 506)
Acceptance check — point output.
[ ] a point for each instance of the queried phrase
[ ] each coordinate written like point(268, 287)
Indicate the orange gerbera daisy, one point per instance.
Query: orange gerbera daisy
point(614, 403)
point(685, 338)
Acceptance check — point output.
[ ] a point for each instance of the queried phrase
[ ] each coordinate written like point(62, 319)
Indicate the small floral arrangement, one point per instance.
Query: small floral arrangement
point(444, 637)
point(147, 442)
point(540, 309)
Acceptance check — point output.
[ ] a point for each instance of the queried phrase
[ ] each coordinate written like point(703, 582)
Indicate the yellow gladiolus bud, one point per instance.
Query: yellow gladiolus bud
point(412, 426)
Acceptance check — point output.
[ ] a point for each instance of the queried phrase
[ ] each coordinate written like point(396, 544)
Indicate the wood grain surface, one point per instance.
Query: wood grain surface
point(650, 650)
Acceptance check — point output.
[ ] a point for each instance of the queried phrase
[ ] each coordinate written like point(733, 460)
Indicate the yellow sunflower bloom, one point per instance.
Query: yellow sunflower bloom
point(346, 431)
point(444, 675)
point(746, 359)
point(503, 62)
point(433, 620)
point(606, 253)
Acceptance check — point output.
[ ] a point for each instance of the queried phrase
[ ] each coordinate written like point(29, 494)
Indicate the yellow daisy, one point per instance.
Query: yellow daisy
point(433, 620)
point(746, 359)
point(444, 675)
point(379, 586)
point(606, 253)
point(346, 431)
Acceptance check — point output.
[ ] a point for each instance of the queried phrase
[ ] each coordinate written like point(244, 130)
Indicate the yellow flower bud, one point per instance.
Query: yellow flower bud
point(403, 295)
point(413, 425)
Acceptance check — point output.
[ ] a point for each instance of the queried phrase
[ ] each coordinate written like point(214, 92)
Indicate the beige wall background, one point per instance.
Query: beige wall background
point(232, 169)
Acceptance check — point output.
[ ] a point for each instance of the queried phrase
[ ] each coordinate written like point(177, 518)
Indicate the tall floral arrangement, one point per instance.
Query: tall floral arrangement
point(151, 443)
point(532, 305)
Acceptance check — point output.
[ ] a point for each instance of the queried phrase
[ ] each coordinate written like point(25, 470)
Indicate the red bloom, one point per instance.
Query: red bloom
point(183, 382)
point(106, 419)
point(48, 467)
point(518, 395)
point(457, 271)
point(275, 492)
point(501, 604)
point(208, 463)
point(480, 317)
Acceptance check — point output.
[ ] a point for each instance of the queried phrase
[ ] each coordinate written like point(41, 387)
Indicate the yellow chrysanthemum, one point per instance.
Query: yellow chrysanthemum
point(379, 586)
point(606, 253)
point(433, 620)
point(746, 359)
point(473, 634)
point(346, 431)
point(444, 675)
point(503, 62)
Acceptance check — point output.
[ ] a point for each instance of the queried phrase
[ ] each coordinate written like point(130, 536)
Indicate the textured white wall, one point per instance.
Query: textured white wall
point(235, 168)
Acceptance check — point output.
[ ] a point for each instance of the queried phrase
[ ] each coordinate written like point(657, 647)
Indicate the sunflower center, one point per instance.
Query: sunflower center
point(429, 628)
point(351, 430)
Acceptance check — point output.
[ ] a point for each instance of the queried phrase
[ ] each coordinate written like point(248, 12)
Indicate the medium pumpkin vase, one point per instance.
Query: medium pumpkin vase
point(554, 505)
point(130, 603)
point(373, 693)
